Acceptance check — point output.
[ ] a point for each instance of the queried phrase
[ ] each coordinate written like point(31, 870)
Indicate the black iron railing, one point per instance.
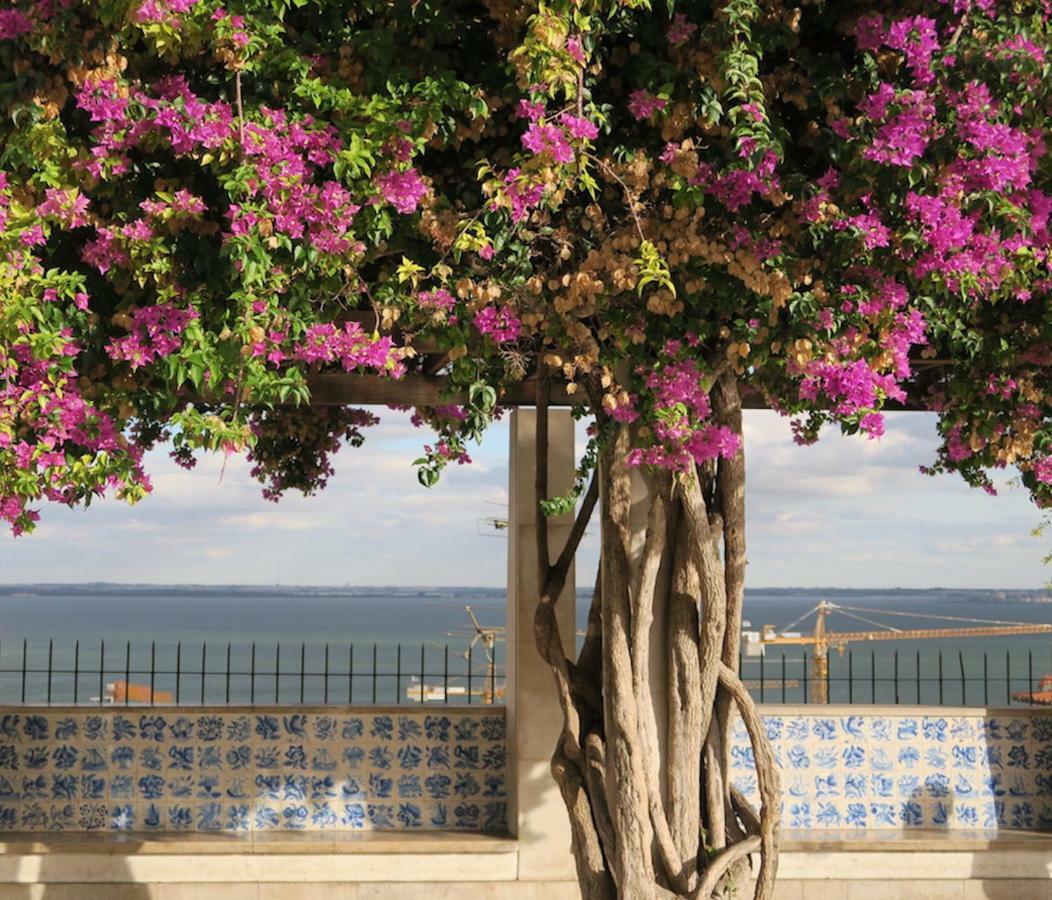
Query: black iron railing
point(939, 678)
point(157, 674)
point(235, 673)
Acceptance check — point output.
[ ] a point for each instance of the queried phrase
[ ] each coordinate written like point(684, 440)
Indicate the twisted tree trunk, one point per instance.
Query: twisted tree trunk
point(643, 762)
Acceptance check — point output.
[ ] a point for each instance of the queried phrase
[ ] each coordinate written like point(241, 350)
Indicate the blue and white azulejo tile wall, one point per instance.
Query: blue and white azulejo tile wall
point(252, 770)
point(300, 769)
point(845, 767)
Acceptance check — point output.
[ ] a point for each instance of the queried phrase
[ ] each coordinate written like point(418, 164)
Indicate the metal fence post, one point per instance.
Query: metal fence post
point(50, 666)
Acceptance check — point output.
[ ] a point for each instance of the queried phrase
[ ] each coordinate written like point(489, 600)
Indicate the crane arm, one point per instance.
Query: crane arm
point(847, 637)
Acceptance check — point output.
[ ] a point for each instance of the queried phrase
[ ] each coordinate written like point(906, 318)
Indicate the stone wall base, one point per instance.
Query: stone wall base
point(462, 890)
point(788, 889)
point(924, 889)
point(813, 866)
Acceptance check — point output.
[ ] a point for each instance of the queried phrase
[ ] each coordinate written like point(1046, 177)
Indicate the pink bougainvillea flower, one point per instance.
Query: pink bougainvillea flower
point(522, 194)
point(681, 30)
point(534, 112)
point(581, 128)
point(13, 24)
point(439, 299)
point(1042, 469)
point(643, 104)
point(68, 207)
point(403, 190)
point(548, 140)
point(498, 323)
point(33, 236)
point(155, 332)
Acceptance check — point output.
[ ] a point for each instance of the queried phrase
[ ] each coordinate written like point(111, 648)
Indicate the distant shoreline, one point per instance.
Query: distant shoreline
point(989, 595)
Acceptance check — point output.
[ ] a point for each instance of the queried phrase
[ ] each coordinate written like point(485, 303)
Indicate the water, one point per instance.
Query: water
point(971, 671)
point(167, 636)
point(327, 645)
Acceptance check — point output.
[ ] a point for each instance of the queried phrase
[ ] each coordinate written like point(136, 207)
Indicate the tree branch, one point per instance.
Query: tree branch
point(714, 776)
point(703, 540)
point(595, 775)
point(573, 540)
point(587, 672)
point(744, 811)
point(626, 782)
point(730, 501)
point(642, 622)
point(766, 780)
point(592, 871)
point(721, 863)
point(646, 581)
point(684, 740)
point(730, 486)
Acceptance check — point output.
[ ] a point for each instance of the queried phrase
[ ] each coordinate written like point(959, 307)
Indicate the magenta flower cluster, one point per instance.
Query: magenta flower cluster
point(349, 346)
point(44, 395)
point(438, 300)
point(499, 323)
point(683, 434)
point(290, 191)
point(154, 332)
point(522, 193)
point(680, 30)
point(554, 139)
point(13, 23)
point(642, 104)
point(163, 11)
point(736, 185)
point(403, 190)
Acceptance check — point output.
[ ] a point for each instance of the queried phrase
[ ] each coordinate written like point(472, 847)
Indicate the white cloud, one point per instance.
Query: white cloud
point(787, 523)
point(260, 520)
point(979, 544)
point(846, 512)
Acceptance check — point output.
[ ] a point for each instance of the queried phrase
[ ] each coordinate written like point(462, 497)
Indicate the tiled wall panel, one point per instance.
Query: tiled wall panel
point(906, 770)
point(245, 770)
point(229, 770)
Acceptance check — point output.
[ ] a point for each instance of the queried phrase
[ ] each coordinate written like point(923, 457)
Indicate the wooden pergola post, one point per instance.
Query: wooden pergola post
point(536, 813)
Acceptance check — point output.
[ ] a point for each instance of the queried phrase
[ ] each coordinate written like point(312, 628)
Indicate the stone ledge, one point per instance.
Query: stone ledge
point(906, 866)
point(899, 709)
point(920, 840)
point(914, 840)
point(388, 890)
point(316, 709)
point(257, 868)
point(921, 889)
point(197, 844)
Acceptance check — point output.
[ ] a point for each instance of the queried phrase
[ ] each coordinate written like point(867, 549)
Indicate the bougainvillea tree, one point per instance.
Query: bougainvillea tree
point(650, 210)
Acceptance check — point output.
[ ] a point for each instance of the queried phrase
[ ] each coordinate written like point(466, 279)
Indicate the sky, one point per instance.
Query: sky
point(847, 512)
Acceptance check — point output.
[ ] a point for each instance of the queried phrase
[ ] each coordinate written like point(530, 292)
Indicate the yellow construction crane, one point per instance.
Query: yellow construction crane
point(488, 635)
point(822, 638)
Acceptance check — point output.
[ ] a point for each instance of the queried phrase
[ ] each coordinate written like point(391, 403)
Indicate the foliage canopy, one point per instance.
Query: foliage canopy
point(834, 201)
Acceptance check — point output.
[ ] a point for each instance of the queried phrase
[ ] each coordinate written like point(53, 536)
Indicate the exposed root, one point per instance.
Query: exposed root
point(721, 864)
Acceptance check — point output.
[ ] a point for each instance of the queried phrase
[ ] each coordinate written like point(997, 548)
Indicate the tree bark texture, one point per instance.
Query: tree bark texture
point(644, 767)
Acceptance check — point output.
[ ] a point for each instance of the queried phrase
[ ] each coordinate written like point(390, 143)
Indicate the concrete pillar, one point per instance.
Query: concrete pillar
point(536, 815)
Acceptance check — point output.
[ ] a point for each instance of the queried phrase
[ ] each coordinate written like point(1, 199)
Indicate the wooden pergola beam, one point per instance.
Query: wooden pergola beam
point(425, 386)
point(342, 389)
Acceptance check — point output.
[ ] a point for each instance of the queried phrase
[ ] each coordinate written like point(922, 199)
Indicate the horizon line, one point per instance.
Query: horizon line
point(278, 584)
